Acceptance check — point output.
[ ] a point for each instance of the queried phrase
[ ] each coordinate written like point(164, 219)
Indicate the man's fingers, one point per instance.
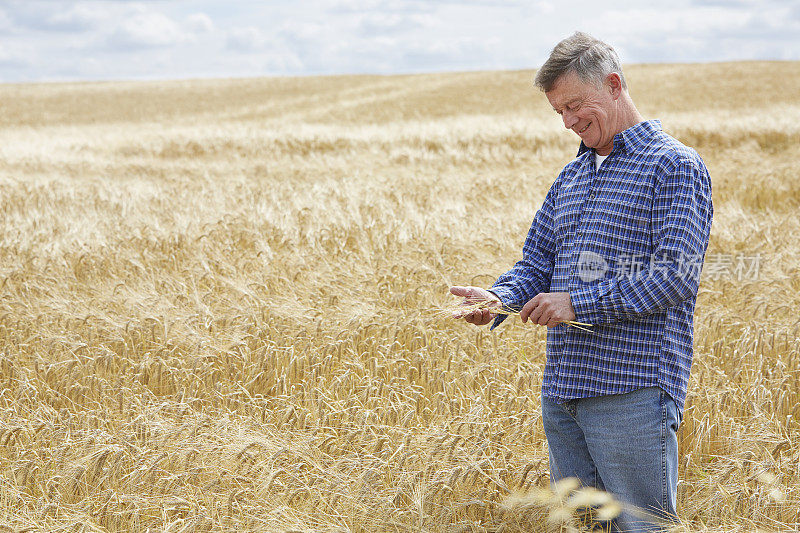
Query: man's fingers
point(540, 315)
point(457, 290)
point(479, 317)
point(473, 294)
point(470, 294)
point(475, 318)
point(526, 310)
point(548, 309)
point(475, 314)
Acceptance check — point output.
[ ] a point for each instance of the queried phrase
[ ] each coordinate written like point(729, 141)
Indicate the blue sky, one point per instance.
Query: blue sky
point(96, 40)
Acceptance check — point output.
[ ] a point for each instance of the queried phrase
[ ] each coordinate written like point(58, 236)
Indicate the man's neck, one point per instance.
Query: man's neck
point(628, 117)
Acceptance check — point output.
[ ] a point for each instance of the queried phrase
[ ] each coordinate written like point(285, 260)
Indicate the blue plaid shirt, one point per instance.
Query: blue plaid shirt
point(627, 241)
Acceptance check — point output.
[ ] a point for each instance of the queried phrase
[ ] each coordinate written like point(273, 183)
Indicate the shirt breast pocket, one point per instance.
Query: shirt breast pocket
point(622, 222)
point(568, 206)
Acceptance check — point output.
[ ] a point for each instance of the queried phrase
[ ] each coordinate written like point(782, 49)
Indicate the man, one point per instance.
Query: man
point(618, 243)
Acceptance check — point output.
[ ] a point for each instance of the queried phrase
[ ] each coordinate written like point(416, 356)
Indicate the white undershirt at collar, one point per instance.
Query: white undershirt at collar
point(598, 160)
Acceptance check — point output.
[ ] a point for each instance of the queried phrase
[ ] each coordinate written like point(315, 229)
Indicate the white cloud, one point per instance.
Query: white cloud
point(77, 18)
point(730, 3)
point(281, 63)
point(262, 53)
point(303, 31)
point(656, 22)
point(378, 6)
point(146, 28)
point(458, 53)
point(248, 39)
point(383, 23)
point(5, 22)
point(13, 57)
point(48, 39)
point(66, 17)
point(708, 32)
point(199, 23)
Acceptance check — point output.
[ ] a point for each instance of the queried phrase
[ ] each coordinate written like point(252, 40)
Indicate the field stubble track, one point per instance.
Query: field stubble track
point(215, 302)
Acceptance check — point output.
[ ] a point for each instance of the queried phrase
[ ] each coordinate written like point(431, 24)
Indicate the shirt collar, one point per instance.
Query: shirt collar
point(631, 139)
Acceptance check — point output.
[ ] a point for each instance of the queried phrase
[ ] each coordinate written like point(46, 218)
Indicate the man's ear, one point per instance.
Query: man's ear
point(614, 83)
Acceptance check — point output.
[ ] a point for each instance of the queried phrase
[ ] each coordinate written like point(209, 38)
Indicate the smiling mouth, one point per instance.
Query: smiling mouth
point(586, 127)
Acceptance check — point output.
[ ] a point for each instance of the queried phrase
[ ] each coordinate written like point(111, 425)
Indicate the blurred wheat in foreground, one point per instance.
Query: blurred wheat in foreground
point(215, 303)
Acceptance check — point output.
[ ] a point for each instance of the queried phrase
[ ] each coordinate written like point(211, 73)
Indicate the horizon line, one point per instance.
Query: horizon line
point(98, 81)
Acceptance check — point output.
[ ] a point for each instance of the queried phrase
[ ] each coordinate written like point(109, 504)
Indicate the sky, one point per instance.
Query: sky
point(113, 40)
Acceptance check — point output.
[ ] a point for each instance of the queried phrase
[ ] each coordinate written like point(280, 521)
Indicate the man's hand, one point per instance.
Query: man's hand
point(472, 296)
point(548, 309)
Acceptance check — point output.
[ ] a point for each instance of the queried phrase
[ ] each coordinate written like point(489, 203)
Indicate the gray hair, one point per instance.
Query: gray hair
point(591, 59)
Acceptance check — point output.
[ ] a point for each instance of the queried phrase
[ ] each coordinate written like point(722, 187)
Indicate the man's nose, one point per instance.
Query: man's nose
point(569, 119)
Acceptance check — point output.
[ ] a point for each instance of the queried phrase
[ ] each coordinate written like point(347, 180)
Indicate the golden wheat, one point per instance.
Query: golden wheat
point(215, 303)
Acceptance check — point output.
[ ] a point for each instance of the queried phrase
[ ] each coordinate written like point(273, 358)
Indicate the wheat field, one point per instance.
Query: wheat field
point(218, 303)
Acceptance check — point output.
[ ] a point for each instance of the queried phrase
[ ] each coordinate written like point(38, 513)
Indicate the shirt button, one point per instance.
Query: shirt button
point(591, 195)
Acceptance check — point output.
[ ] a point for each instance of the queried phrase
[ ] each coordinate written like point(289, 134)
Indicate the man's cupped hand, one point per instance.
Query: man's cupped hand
point(472, 296)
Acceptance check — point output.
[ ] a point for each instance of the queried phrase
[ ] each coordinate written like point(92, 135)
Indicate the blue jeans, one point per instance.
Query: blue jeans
point(625, 444)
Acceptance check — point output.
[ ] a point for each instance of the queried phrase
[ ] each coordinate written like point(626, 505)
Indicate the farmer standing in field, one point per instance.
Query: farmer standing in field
point(619, 244)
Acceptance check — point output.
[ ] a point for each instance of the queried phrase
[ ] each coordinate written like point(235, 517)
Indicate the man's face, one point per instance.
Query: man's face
point(587, 110)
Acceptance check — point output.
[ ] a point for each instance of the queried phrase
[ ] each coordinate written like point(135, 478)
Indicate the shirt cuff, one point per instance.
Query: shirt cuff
point(497, 321)
point(584, 301)
point(504, 295)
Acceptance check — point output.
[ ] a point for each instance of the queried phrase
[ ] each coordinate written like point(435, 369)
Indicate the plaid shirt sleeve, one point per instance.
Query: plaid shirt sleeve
point(682, 212)
point(531, 275)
